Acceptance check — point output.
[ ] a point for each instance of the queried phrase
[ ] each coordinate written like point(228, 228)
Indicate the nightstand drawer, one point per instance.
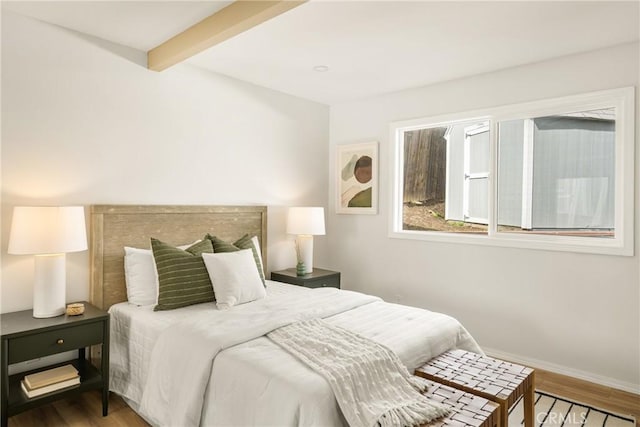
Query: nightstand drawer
point(51, 342)
point(329, 282)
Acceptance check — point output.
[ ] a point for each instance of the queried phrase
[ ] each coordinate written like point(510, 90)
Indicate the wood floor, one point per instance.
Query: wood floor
point(81, 411)
point(86, 410)
point(610, 399)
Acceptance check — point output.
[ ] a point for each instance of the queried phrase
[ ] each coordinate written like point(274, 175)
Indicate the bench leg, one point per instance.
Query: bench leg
point(504, 414)
point(529, 402)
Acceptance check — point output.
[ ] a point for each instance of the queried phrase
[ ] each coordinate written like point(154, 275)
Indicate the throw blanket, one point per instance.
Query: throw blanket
point(182, 358)
point(370, 383)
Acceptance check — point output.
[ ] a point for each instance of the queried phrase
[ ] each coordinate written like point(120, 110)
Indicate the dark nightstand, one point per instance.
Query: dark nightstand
point(319, 278)
point(26, 338)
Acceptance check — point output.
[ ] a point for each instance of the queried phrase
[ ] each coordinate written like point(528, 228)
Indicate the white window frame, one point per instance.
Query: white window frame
point(468, 175)
point(527, 175)
point(622, 99)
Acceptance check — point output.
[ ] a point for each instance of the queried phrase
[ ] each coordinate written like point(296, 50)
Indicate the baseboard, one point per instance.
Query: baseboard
point(564, 370)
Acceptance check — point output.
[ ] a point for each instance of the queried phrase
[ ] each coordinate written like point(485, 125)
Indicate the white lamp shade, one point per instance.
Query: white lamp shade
point(306, 220)
point(47, 230)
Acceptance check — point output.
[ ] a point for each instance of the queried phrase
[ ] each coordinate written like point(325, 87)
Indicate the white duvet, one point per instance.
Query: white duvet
point(255, 382)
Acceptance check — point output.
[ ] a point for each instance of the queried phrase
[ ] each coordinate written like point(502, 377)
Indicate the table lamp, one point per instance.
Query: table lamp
point(305, 222)
point(48, 233)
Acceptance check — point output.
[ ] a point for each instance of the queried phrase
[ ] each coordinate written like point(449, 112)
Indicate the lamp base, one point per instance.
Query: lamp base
point(305, 246)
point(49, 290)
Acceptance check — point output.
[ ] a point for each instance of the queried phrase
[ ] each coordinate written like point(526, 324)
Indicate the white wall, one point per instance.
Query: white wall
point(83, 122)
point(576, 313)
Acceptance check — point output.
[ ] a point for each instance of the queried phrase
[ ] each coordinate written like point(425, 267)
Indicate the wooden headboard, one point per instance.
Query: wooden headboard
point(115, 226)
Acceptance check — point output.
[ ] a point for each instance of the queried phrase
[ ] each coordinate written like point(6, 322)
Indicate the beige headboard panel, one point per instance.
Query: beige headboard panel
point(115, 226)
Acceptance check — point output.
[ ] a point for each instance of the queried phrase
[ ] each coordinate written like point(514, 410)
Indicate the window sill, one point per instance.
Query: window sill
point(602, 246)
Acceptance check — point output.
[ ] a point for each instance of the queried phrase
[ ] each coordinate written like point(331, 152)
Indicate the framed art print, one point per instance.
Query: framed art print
point(357, 180)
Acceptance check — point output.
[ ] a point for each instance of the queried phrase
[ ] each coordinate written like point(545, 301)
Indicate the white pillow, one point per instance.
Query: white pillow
point(234, 277)
point(140, 275)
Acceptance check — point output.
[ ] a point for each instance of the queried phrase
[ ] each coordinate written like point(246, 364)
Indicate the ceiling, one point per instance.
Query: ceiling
point(370, 47)
point(141, 25)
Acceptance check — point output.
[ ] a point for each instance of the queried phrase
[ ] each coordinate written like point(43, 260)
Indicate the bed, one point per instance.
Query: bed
point(253, 381)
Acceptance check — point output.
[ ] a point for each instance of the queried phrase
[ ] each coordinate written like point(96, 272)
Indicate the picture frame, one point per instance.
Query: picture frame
point(357, 178)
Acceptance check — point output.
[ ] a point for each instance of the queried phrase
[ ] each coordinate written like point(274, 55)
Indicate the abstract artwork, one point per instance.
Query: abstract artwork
point(357, 186)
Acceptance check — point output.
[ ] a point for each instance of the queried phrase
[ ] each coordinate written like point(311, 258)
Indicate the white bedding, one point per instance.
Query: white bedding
point(258, 383)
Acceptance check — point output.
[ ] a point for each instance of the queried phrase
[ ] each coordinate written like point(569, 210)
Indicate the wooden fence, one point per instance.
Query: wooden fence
point(425, 162)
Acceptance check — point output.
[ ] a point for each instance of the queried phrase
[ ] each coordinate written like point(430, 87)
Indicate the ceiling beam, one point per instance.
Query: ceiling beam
point(228, 22)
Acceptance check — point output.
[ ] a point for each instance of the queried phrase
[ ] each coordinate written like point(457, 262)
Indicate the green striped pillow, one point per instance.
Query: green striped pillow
point(245, 242)
point(182, 276)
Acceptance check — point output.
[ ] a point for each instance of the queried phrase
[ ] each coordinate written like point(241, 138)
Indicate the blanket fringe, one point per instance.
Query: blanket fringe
point(418, 383)
point(414, 414)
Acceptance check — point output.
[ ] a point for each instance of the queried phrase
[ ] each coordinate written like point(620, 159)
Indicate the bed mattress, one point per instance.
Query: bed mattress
point(257, 382)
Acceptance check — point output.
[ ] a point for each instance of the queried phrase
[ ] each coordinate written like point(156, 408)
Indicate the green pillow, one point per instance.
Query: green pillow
point(182, 276)
point(245, 242)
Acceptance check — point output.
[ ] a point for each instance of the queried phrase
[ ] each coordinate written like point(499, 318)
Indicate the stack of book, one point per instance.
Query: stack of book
point(50, 380)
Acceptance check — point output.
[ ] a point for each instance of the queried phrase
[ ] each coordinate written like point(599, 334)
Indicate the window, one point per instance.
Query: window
point(554, 174)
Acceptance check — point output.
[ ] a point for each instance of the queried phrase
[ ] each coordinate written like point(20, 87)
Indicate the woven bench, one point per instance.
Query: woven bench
point(499, 381)
point(467, 409)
